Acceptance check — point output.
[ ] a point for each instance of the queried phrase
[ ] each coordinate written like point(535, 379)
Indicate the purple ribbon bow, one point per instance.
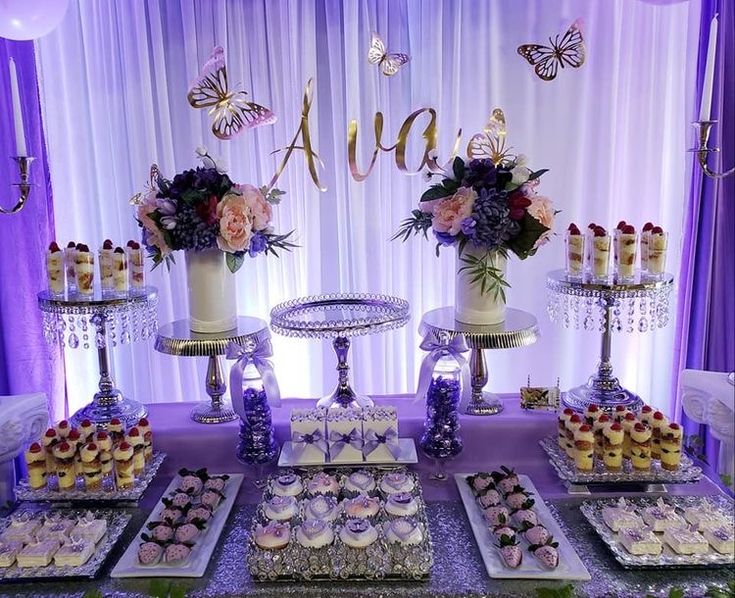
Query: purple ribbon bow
point(257, 354)
point(338, 441)
point(390, 439)
point(301, 441)
point(439, 347)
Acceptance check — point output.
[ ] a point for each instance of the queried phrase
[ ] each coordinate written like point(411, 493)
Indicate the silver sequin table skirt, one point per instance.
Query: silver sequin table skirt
point(458, 569)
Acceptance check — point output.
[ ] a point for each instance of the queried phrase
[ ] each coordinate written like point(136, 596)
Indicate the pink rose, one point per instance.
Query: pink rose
point(451, 211)
point(154, 236)
point(259, 208)
point(542, 209)
point(235, 223)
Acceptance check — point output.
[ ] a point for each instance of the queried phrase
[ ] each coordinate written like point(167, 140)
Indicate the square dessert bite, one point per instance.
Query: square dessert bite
point(661, 517)
point(90, 529)
point(686, 541)
point(722, 539)
point(640, 541)
point(705, 517)
point(8, 552)
point(38, 554)
point(74, 554)
point(22, 528)
point(621, 516)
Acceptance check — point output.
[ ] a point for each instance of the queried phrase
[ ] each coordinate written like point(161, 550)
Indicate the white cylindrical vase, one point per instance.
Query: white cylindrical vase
point(212, 295)
point(471, 306)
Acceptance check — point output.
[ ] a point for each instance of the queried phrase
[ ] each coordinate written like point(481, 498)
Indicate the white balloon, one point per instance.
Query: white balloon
point(30, 19)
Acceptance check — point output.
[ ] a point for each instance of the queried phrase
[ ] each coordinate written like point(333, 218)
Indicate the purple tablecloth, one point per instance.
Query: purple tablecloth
point(510, 438)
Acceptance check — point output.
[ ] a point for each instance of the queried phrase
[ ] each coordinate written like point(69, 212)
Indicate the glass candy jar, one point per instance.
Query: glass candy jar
point(257, 444)
point(440, 439)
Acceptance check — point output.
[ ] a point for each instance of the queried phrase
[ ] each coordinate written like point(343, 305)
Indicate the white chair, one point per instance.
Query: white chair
point(23, 419)
point(709, 398)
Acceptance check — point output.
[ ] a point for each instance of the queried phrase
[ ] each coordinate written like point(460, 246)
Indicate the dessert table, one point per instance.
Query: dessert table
point(511, 438)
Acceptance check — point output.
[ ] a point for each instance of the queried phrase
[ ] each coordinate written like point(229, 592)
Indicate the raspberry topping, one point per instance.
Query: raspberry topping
point(63, 424)
point(143, 422)
point(35, 448)
point(74, 434)
point(102, 435)
point(674, 426)
point(134, 432)
point(54, 248)
point(107, 244)
point(584, 428)
point(575, 419)
point(620, 408)
point(628, 229)
point(115, 421)
point(573, 229)
point(83, 248)
point(593, 408)
point(616, 426)
point(658, 415)
point(92, 447)
point(131, 244)
point(71, 244)
point(646, 409)
point(647, 226)
point(119, 250)
point(599, 231)
point(124, 446)
point(621, 225)
point(135, 246)
point(604, 418)
point(657, 230)
point(50, 433)
point(639, 427)
point(568, 411)
point(64, 446)
point(592, 226)
point(630, 416)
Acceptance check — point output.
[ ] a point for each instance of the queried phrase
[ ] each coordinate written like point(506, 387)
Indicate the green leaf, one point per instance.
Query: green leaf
point(566, 591)
point(537, 174)
point(234, 260)
point(531, 231)
point(451, 185)
point(93, 594)
point(435, 192)
point(458, 168)
point(676, 593)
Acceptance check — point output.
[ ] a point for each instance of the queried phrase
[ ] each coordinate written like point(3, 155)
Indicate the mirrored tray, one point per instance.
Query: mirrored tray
point(592, 510)
point(116, 522)
point(108, 493)
point(688, 473)
point(379, 560)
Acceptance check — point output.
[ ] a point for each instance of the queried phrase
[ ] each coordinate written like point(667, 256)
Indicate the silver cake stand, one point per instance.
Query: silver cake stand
point(641, 304)
point(101, 321)
point(339, 317)
point(177, 339)
point(520, 329)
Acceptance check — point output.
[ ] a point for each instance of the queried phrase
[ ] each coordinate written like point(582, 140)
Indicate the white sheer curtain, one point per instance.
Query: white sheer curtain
point(613, 133)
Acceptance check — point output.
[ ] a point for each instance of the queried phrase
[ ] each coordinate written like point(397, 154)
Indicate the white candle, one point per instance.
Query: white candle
point(20, 138)
point(709, 73)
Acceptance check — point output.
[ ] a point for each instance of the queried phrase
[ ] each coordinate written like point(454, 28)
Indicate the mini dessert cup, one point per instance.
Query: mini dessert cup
point(124, 476)
point(136, 265)
point(589, 236)
point(645, 238)
point(70, 260)
point(627, 244)
point(91, 467)
point(574, 241)
point(658, 243)
point(600, 255)
point(640, 447)
point(135, 439)
point(35, 458)
point(120, 271)
point(64, 466)
point(84, 269)
point(613, 438)
point(55, 269)
point(105, 260)
point(671, 439)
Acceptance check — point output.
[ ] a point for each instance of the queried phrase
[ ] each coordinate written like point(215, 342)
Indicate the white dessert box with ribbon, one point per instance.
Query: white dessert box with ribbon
point(308, 435)
point(345, 434)
point(380, 434)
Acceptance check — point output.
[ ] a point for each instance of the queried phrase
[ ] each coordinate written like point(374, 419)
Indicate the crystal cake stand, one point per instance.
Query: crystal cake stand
point(177, 339)
point(101, 321)
point(519, 329)
point(340, 316)
point(642, 304)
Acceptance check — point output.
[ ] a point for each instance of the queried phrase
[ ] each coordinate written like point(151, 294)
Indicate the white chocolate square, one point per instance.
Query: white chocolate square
point(38, 554)
point(722, 539)
point(74, 554)
point(343, 421)
point(704, 518)
point(309, 421)
point(686, 541)
point(640, 541)
point(379, 419)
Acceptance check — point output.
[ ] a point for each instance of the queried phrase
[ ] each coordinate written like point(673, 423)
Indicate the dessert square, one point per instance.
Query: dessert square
point(90, 529)
point(661, 517)
point(8, 552)
point(308, 434)
point(344, 426)
point(38, 554)
point(57, 528)
point(74, 554)
point(621, 516)
point(21, 529)
point(722, 539)
point(380, 434)
point(640, 541)
point(705, 518)
point(686, 541)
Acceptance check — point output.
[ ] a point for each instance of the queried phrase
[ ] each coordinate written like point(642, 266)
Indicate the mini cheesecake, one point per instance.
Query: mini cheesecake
point(640, 447)
point(671, 439)
point(640, 541)
point(403, 531)
point(685, 541)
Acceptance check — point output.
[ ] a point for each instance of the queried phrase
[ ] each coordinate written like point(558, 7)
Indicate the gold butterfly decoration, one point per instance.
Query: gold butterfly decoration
point(567, 51)
point(153, 178)
point(389, 63)
point(231, 112)
point(491, 142)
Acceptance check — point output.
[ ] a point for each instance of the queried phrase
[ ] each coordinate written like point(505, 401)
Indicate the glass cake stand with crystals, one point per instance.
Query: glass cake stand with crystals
point(340, 316)
point(101, 321)
point(177, 339)
point(519, 329)
point(612, 306)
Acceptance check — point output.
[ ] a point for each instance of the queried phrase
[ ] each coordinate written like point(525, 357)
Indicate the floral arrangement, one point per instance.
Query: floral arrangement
point(202, 208)
point(492, 205)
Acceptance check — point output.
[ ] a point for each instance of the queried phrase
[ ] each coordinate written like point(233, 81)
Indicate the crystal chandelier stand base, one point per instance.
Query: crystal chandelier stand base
point(580, 397)
point(343, 395)
point(103, 409)
point(217, 411)
point(486, 403)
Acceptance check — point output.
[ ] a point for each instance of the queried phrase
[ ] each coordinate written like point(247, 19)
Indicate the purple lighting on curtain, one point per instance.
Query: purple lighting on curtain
point(26, 363)
point(706, 317)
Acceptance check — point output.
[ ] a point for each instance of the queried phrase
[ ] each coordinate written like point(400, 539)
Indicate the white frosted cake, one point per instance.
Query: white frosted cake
point(380, 432)
point(344, 431)
point(308, 435)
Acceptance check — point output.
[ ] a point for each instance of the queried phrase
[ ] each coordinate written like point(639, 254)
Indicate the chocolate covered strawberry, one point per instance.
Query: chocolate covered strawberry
point(535, 534)
point(489, 498)
point(503, 529)
point(546, 553)
point(510, 551)
point(493, 515)
point(480, 482)
point(526, 513)
point(517, 497)
point(505, 480)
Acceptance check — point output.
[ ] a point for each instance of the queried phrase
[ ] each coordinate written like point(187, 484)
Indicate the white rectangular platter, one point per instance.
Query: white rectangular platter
point(570, 565)
point(407, 456)
point(196, 565)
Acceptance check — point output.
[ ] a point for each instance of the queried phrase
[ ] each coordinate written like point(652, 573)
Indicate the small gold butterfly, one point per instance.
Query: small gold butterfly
point(569, 51)
point(389, 63)
point(491, 143)
point(231, 112)
point(153, 179)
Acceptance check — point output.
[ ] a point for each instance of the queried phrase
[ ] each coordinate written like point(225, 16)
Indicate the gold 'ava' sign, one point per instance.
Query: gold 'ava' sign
point(302, 141)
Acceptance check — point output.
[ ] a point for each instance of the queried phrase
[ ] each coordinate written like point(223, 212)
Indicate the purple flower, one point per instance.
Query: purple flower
point(167, 208)
point(480, 173)
point(258, 243)
point(468, 226)
point(444, 238)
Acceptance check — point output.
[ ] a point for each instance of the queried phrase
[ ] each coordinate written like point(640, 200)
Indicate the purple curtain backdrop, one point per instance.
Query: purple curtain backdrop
point(27, 364)
point(706, 319)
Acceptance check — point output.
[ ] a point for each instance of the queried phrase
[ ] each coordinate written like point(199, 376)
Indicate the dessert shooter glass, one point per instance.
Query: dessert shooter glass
point(105, 260)
point(657, 245)
point(70, 260)
point(55, 272)
point(84, 271)
point(119, 268)
point(625, 256)
point(600, 257)
point(575, 255)
point(136, 267)
point(645, 237)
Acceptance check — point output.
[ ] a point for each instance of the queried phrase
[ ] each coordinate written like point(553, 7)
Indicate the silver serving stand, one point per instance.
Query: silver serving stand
point(177, 339)
point(519, 329)
point(101, 320)
point(340, 316)
point(612, 306)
